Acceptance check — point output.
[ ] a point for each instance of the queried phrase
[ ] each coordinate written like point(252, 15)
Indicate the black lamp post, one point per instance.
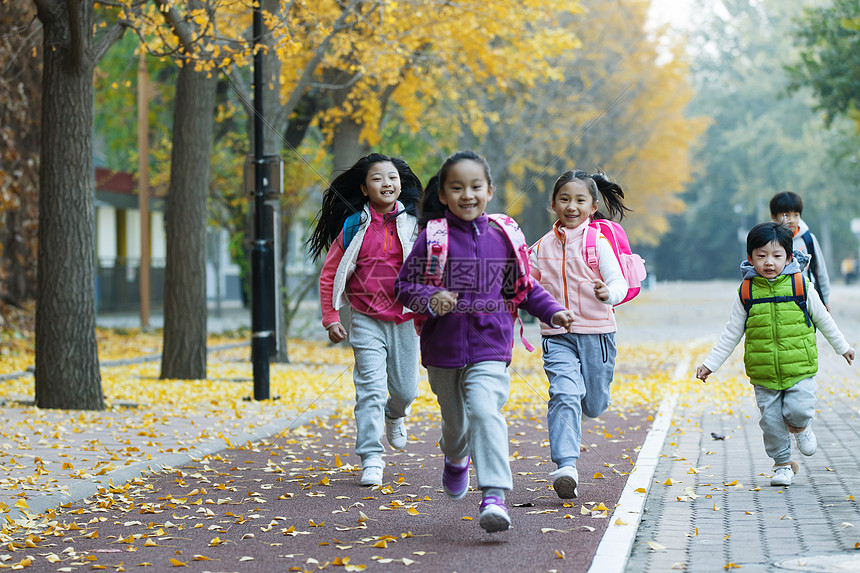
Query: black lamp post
point(262, 313)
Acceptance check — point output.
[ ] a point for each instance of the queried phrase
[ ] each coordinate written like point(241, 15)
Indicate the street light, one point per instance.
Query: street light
point(261, 259)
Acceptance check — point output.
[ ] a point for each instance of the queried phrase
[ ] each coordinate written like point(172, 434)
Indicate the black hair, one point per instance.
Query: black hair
point(613, 194)
point(343, 197)
point(786, 202)
point(770, 232)
point(432, 207)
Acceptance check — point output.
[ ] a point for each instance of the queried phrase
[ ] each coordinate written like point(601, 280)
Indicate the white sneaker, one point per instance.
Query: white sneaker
point(782, 475)
point(395, 431)
point(371, 475)
point(564, 481)
point(807, 443)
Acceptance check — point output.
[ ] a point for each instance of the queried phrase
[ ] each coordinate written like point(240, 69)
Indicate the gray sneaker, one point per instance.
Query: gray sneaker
point(564, 482)
point(371, 475)
point(807, 443)
point(782, 476)
point(395, 431)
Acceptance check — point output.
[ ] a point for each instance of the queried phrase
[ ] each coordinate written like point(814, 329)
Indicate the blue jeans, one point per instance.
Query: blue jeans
point(580, 368)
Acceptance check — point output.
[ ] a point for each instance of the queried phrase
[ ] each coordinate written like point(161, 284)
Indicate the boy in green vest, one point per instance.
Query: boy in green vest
point(779, 314)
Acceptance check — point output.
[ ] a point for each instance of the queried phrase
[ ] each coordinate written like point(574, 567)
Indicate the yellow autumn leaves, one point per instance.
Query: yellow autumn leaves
point(320, 372)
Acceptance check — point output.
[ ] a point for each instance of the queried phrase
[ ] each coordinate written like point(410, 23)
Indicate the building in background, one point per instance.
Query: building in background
point(117, 252)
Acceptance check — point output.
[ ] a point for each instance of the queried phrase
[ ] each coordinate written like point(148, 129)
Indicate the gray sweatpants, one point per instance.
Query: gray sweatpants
point(386, 363)
point(470, 401)
point(580, 368)
point(795, 406)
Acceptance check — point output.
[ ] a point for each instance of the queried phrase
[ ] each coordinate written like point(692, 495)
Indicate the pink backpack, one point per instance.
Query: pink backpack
point(632, 265)
point(437, 256)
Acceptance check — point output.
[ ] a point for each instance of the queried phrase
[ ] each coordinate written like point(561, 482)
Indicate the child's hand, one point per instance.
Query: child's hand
point(849, 356)
point(564, 319)
point(443, 302)
point(336, 332)
point(601, 291)
point(702, 373)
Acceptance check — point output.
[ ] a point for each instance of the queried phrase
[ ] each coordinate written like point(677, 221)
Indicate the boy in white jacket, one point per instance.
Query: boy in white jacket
point(780, 350)
point(786, 208)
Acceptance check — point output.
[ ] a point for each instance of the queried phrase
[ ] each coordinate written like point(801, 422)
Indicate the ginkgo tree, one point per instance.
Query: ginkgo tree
point(343, 65)
point(612, 101)
point(347, 68)
point(76, 36)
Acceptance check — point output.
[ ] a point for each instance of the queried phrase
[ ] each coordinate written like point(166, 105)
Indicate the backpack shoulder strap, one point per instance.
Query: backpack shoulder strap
point(592, 234)
point(437, 250)
point(807, 239)
point(745, 294)
point(516, 239)
point(799, 286)
point(800, 289)
point(523, 284)
point(350, 227)
point(813, 263)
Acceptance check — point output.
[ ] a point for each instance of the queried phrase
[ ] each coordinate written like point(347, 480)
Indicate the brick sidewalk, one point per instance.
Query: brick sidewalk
point(737, 519)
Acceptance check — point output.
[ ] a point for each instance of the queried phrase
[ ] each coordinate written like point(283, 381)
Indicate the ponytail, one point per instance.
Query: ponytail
point(431, 207)
point(613, 197)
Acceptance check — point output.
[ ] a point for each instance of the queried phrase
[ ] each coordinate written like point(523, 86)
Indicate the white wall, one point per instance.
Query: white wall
point(106, 235)
point(132, 236)
point(158, 252)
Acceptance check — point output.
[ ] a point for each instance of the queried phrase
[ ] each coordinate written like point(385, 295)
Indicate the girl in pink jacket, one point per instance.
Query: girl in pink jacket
point(368, 224)
point(580, 364)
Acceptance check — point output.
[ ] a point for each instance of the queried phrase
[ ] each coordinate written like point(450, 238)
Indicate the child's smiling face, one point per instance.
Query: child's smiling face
point(382, 186)
point(573, 204)
point(466, 190)
point(769, 260)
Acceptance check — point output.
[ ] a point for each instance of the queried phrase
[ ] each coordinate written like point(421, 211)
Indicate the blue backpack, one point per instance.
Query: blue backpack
point(813, 264)
point(350, 227)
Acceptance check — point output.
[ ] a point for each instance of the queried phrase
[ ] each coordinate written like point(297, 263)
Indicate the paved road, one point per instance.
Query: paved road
point(285, 503)
point(718, 513)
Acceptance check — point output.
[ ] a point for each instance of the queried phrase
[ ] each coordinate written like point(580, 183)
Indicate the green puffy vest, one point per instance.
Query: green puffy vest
point(780, 348)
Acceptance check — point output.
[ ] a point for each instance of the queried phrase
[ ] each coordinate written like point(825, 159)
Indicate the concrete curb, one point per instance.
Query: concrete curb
point(617, 542)
point(41, 503)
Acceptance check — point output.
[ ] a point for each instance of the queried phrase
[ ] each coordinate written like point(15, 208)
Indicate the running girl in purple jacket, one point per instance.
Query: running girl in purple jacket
point(467, 339)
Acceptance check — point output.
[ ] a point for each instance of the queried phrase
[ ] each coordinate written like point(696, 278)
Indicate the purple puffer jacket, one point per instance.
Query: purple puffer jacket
point(480, 269)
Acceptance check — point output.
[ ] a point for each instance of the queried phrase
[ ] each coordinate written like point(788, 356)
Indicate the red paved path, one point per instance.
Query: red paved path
point(271, 508)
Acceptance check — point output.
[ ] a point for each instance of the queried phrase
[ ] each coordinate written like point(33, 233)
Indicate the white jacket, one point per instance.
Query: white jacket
point(407, 231)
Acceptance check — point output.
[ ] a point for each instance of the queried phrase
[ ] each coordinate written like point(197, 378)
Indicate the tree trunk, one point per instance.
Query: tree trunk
point(184, 355)
point(345, 146)
point(67, 367)
point(20, 90)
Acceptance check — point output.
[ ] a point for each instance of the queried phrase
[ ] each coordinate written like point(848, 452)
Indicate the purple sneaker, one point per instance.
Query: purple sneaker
point(494, 515)
point(455, 479)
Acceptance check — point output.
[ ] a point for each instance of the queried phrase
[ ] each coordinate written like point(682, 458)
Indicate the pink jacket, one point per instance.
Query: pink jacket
point(363, 274)
point(557, 263)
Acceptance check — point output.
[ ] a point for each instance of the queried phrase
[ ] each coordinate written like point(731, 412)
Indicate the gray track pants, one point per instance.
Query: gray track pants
point(795, 406)
point(580, 368)
point(386, 363)
point(470, 400)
